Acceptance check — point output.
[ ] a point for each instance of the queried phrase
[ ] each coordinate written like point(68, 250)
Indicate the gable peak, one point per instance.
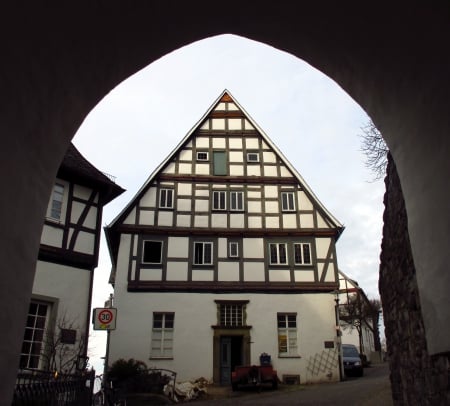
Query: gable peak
point(226, 97)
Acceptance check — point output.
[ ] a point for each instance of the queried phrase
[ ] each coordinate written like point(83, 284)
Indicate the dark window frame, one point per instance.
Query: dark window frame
point(148, 240)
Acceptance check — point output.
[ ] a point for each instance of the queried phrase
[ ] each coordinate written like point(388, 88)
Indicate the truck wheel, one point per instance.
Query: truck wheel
point(274, 384)
point(234, 387)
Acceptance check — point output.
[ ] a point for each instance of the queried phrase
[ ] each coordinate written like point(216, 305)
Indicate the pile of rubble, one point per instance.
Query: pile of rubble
point(187, 391)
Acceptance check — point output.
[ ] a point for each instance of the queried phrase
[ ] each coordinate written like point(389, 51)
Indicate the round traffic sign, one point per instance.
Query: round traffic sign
point(105, 316)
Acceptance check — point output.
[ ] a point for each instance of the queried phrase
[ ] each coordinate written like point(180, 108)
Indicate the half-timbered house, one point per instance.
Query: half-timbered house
point(58, 320)
point(224, 254)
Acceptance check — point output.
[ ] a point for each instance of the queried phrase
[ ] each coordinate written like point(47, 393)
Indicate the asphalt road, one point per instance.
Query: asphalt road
point(373, 389)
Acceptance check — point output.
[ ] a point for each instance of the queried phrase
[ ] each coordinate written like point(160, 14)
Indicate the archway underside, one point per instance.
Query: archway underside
point(391, 60)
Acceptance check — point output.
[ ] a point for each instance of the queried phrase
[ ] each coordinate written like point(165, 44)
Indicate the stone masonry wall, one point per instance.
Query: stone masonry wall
point(416, 378)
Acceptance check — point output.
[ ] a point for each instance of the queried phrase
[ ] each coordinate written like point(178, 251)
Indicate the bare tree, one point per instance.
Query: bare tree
point(63, 344)
point(359, 311)
point(375, 149)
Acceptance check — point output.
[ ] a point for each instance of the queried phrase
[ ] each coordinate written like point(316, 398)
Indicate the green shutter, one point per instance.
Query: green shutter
point(220, 163)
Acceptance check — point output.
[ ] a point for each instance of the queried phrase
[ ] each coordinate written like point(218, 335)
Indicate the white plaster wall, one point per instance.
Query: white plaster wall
point(51, 236)
point(85, 243)
point(185, 155)
point(147, 217)
point(202, 142)
point(236, 156)
point(218, 143)
point(131, 218)
point(252, 143)
point(185, 168)
point(70, 285)
point(236, 170)
point(306, 221)
point(253, 170)
point(193, 335)
point(202, 169)
point(149, 198)
point(165, 218)
point(184, 189)
point(304, 202)
point(235, 143)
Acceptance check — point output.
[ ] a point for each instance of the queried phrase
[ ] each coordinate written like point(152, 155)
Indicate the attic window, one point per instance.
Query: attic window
point(202, 156)
point(166, 198)
point(252, 157)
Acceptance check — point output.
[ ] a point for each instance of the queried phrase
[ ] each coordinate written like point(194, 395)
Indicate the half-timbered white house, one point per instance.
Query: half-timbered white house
point(225, 253)
point(58, 320)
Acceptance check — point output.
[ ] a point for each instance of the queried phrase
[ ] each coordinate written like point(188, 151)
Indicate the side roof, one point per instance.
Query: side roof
point(78, 169)
point(186, 139)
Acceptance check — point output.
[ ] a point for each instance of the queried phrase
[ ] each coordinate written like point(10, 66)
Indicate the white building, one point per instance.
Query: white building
point(224, 254)
point(59, 311)
point(356, 320)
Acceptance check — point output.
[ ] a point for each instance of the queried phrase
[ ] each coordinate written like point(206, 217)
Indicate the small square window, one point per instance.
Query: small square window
point(202, 156)
point(252, 157)
point(152, 252)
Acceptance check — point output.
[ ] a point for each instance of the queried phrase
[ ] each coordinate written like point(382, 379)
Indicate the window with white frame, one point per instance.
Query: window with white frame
point(236, 201)
point(57, 201)
point(278, 253)
point(166, 198)
point(203, 253)
point(231, 315)
point(302, 254)
point(152, 252)
point(34, 337)
point(219, 200)
point(202, 155)
point(287, 201)
point(287, 334)
point(233, 249)
point(162, 335)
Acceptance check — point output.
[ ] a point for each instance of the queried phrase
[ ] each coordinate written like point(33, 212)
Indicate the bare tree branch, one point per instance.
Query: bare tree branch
point(375, 149)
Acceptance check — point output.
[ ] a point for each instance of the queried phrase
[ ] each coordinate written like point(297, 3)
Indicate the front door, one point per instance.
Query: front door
point(225, 360)
point(230, 356)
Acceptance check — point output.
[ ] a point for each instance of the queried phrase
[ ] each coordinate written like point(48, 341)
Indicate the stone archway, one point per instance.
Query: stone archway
point(58, 62)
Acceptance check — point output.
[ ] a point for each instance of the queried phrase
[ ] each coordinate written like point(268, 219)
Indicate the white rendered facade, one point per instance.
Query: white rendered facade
point(225, 253)
point(59, 310)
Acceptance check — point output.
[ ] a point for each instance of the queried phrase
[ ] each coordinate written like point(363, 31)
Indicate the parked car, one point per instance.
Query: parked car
point(352, 361)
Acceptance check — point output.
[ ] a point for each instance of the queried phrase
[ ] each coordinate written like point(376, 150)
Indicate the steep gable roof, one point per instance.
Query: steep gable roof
point(77, 168)
point(226, 96)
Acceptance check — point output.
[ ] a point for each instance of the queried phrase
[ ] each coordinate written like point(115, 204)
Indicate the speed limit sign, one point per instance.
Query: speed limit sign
point(104, 318)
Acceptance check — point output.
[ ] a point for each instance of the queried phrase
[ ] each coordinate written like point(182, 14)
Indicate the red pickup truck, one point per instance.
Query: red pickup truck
point(254, 375)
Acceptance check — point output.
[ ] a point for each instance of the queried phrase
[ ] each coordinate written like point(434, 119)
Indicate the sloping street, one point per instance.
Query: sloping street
point(370, 390)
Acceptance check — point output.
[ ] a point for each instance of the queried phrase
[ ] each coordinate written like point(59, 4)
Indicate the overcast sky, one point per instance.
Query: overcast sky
point(309, 117)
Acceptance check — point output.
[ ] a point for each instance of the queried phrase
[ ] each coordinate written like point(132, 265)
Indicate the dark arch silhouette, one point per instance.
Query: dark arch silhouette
point(60, 60)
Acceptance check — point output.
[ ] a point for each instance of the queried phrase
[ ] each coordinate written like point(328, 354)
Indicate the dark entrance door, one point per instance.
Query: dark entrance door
point(230, 356)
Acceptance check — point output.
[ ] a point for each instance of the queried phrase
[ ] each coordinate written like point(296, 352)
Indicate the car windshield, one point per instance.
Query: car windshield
point(350, 352)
